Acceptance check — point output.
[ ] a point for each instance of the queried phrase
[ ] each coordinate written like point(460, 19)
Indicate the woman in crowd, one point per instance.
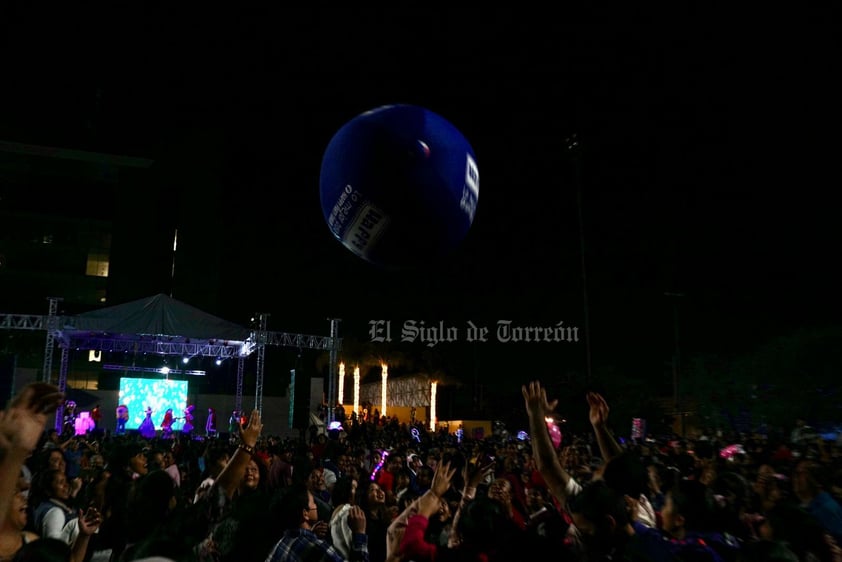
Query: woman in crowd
point(18, 543)
point(245, 531)
point(485, 530)
point(378, 517)
point(13, 533)
point(150, 505)
point(54, 514)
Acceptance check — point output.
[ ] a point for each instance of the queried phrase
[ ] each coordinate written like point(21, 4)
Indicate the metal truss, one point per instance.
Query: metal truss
point(302, 341)
point(261, 338)
point(160, 347)
point(22, 322)
point(62, 384)
point(59, 331)
point(49, 344)
point(238, 399)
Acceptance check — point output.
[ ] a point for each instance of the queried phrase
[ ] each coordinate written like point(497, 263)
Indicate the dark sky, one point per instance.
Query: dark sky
point(708, 159)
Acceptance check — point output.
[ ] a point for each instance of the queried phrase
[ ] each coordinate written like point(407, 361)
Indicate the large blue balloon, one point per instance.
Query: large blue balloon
point(399, 186)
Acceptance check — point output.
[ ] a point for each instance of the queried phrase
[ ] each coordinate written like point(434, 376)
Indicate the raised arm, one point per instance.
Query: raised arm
point(598, 414)
point(473, 475)
point(413, 545)
point(396, 530)
point(546, 459)
point(231, 476)
point(89, 522)
point(428, 503)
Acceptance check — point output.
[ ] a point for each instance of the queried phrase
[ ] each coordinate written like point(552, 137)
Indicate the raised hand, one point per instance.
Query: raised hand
point(22, 423)
point(598, 413)
point(430, 502)
point(251, 432)
point(474, 474)
point(535, 399)
point(75, 486)
point(89, 521)
point(321, 529)
point(356, 519)
point(441, 479)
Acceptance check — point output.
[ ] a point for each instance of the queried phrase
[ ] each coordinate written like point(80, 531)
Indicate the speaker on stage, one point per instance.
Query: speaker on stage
point(98, 434)
point(300, 399)
point(7, 377)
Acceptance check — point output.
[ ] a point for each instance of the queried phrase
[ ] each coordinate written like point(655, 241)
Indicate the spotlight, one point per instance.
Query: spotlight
point(185, 360)
point(219, 360)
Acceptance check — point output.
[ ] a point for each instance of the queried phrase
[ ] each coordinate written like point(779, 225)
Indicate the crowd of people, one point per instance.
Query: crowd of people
point(373, 491)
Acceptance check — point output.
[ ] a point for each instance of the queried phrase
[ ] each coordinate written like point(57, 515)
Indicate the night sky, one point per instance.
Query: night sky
point(708, 162)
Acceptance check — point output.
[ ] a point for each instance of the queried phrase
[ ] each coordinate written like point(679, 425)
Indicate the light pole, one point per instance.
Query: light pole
point(676, 360)
point(333, 370)
point(574, 147)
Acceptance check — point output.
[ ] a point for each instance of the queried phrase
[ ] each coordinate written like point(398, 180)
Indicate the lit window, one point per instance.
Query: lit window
point(97, 265)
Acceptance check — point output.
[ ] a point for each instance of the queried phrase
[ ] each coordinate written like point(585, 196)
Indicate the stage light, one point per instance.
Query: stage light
point(185, 360)
point(219, 360)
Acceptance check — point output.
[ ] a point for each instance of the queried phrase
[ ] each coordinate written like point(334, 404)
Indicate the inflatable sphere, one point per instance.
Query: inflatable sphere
point(399, 186)
point(555, 434)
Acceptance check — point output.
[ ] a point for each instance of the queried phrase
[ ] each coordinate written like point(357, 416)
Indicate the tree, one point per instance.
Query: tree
point(787, 377)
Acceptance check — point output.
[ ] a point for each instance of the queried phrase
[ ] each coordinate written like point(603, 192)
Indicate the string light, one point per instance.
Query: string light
point(385, 376)
point(357, 390)
point(383, 456)
point(433, 386)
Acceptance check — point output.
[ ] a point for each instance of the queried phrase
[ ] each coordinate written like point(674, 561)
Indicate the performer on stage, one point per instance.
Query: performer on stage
point(96, 416)
point(166, 424)
point(69, 421)
point(147, 426)
point(210, 424)
point(122, 418)
point(187, 428)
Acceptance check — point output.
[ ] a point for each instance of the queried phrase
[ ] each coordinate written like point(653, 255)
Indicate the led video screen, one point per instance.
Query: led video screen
point(158, 394)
